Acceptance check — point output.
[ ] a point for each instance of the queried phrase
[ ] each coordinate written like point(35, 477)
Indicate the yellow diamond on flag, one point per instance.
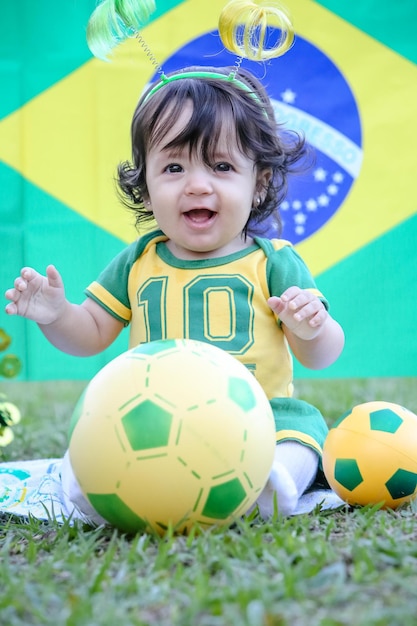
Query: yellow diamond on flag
point(70, 138)
point(385, 87)
point(59, 152)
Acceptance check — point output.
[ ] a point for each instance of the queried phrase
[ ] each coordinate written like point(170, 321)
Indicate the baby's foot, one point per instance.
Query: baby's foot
point(280, 486)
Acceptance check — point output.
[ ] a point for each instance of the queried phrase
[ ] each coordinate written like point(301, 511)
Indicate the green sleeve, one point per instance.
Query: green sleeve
point(110, 289)
point(285, 268)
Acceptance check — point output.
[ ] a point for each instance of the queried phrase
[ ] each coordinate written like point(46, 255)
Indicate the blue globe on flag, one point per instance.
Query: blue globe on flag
point(313, 98)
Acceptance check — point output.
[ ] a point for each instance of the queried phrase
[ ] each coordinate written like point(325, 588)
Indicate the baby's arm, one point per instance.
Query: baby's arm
point(315, 338)
point(80, 330)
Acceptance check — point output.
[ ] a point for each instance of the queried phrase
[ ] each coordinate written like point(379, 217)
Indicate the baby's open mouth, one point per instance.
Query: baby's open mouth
point(199, 216)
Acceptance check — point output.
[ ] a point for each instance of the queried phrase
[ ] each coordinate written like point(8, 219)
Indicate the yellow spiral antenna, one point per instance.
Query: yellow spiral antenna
point(258, 30)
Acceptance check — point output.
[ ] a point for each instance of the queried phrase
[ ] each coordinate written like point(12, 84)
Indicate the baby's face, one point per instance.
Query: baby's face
point(202, 207)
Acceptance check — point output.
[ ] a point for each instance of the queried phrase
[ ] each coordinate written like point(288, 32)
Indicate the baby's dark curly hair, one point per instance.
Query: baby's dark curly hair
point(218, 105)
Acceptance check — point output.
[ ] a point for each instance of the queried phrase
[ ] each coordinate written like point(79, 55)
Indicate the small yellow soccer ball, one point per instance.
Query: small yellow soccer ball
point(172, 433)
point(370, 455)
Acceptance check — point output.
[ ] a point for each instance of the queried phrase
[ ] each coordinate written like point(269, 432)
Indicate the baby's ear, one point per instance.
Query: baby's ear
point(263, 179)
point(146, 200)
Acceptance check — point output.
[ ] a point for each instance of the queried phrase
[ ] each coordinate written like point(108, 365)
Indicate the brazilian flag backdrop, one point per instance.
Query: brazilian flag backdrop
point(349, 83)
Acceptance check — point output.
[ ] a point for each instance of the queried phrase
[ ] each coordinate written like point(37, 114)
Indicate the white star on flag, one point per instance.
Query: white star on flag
point(288, 96)
point(320, 174)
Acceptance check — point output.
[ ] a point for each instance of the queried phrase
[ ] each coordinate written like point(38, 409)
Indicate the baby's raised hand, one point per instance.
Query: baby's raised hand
point(36, 297)
point(301, 311)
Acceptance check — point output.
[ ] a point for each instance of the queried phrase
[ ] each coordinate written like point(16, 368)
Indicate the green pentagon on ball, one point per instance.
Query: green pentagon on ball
point(77, 412)
point(224, 499)
point(147, 425)
point(116, 512)
point(402, 484)
point(347, 473)
point(241, 393)
point(341, 419)
point(154, 347)
point(385, 420)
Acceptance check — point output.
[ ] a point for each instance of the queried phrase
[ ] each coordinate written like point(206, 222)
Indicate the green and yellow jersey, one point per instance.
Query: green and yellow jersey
point(222, 301)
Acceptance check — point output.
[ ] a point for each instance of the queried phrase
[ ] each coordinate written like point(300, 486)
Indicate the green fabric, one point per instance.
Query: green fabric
point(42, 45)
point(298, 415)
point(394, 24)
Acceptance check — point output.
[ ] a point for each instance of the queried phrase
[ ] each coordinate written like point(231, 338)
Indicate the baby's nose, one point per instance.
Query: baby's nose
point(198, 182)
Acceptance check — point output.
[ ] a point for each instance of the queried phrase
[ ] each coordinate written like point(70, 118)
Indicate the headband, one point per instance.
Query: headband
point(231, 78)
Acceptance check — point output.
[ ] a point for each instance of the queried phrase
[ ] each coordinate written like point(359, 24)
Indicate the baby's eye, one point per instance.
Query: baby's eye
point(223, 167)
point(174, 168)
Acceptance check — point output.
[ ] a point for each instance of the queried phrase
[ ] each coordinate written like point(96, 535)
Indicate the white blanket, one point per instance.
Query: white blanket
point(33, 488)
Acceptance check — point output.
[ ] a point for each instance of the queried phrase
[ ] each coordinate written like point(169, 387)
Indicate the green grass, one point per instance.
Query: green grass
point(351, 566)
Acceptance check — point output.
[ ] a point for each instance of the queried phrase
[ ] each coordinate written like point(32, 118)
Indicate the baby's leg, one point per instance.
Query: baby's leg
point(293, 470)
point(75, 502)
